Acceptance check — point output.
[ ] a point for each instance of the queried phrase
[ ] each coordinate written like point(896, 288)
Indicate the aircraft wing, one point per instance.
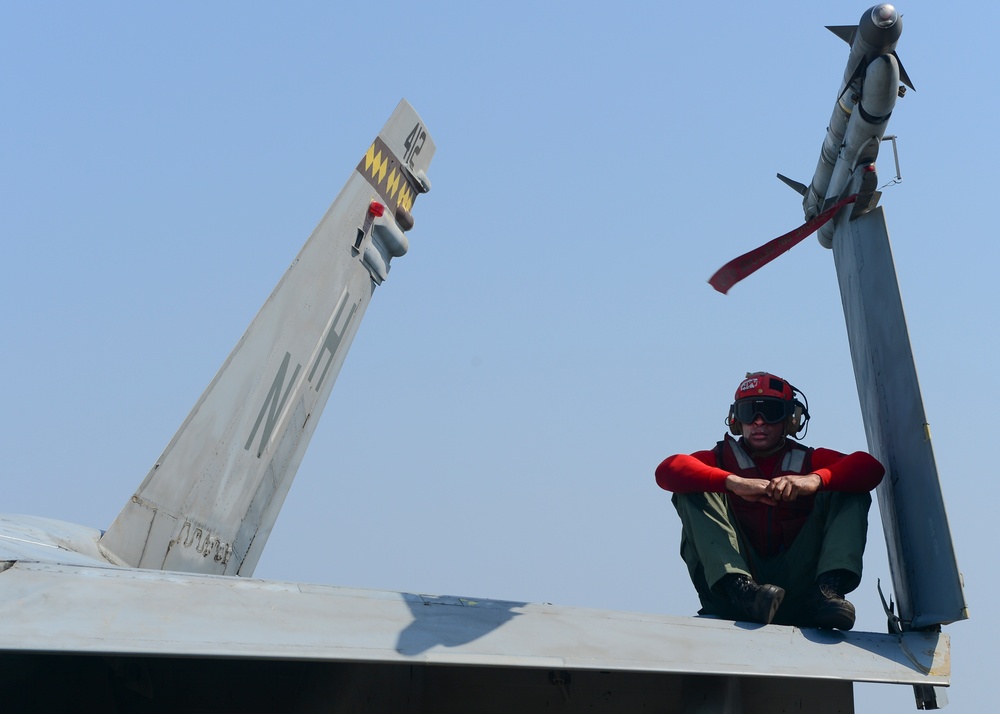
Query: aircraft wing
point(160, 633)
point(132, 637)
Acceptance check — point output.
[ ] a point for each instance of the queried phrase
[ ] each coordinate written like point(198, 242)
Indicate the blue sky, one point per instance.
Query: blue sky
point(550, 337)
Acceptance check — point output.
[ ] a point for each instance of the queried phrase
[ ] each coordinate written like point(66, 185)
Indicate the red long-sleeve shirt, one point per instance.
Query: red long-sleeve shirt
point(689, 473)
point(770, 528)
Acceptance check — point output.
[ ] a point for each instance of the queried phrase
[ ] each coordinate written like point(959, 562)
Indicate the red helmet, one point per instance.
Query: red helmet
point(763, 384)
point(772, 398)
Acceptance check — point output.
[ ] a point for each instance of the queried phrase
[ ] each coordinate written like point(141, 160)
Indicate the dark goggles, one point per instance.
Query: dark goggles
point(771, 409)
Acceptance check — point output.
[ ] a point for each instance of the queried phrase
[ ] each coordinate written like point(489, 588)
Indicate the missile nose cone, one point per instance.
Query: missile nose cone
point(884, 15)
point(880, 28)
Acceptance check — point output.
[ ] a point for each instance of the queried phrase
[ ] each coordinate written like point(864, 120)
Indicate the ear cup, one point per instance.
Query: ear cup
point(735, 428)
point(795, 420)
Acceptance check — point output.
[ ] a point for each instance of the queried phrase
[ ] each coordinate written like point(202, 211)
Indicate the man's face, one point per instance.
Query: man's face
point(761, 436)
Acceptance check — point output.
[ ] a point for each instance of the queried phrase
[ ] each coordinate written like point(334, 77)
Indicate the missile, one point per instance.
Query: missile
point(861, 113)
point(845, 173)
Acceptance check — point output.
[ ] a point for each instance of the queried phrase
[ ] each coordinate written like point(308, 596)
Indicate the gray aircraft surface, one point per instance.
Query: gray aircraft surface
point(161, 611)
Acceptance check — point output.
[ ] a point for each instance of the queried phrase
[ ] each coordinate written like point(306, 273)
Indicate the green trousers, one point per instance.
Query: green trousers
point(712, 546)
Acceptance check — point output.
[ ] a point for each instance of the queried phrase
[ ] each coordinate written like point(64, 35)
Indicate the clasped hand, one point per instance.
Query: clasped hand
point(771, 492)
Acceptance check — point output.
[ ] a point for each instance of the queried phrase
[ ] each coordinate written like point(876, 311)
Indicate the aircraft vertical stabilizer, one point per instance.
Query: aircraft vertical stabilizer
point(925, 574)
point(210, 501)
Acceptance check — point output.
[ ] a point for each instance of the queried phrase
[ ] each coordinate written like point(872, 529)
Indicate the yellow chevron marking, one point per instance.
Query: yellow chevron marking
point(372, 158)
point(397, 188)
point(406, 198)
point(393, 184)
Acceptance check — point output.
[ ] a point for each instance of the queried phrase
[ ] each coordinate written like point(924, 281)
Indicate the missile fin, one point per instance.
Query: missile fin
point(799, 188)
point(864, 204)
point(844, 32)
point(903, 77)
point(866, 180)
point(859, 72)
point(832, 201)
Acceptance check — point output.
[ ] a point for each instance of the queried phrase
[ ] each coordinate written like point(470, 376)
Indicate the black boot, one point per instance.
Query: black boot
point(750, 601)
point(826, 603)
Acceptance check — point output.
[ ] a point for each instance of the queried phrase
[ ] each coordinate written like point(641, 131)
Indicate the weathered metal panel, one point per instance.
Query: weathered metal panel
point(45, 540)
point(118, 611)
point(925, 572)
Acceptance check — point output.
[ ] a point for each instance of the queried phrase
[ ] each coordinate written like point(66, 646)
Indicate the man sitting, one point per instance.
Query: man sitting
point(772, 531)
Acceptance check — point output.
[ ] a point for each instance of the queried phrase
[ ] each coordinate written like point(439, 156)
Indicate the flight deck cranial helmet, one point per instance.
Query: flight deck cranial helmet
point(771, 397)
